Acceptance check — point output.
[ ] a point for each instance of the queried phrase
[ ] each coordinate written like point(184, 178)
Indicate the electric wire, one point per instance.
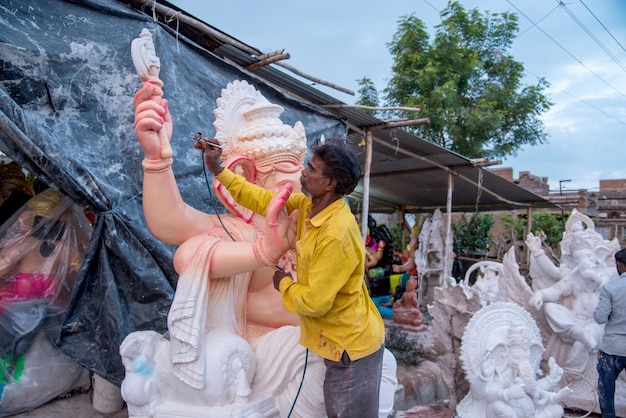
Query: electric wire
point(597, 109)
point(604, 27)
point(538, 22)
point(293, 405)
point(591, 35)
point(567, 51)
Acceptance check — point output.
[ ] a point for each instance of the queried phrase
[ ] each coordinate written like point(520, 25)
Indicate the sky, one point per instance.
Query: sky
point(578, 46)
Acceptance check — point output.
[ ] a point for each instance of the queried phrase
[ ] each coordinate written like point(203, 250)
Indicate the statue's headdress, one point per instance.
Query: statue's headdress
point(45, 203)
point(13, 178)
point(247, 125)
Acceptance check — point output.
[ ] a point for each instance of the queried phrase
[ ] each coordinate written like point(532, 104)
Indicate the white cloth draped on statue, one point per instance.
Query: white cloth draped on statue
point(202, 304)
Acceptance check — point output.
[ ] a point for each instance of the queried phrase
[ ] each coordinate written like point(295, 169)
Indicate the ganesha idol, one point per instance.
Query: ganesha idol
point(233, 348)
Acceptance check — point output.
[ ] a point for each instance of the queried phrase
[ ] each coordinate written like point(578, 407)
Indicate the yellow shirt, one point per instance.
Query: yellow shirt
point(330, 296)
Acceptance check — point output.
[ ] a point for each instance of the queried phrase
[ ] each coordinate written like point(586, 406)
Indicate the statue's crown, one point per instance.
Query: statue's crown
point(45, 203)
point(248, 125)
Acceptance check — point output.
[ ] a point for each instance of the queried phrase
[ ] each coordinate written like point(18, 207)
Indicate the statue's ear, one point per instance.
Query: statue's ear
point(500, 355)
point(243, 166)
point(246, 168)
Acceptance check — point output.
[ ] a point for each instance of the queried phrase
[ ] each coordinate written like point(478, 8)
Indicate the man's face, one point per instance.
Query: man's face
point(313, 180)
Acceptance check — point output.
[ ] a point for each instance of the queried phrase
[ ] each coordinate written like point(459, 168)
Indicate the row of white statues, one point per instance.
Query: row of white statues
point(554, 316)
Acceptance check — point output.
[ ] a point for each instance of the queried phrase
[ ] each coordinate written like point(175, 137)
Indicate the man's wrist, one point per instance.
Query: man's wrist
point(216, 171)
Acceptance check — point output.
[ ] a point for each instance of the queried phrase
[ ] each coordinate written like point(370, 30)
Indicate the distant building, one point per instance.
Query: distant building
point(607, 207)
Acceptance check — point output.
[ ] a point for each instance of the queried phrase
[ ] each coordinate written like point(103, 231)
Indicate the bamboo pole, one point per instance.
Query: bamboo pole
point(366, 183)
point(447, 254)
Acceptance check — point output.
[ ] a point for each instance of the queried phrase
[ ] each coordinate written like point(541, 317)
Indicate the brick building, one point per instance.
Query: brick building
point(607, 206)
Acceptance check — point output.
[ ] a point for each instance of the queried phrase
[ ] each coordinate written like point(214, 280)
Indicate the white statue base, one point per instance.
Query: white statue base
point(264, 407)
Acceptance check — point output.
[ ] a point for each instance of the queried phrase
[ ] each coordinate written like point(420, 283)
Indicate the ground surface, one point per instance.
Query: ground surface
point(422, 395)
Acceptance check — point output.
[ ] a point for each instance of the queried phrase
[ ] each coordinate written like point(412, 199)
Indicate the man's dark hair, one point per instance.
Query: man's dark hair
point(340, 164)
point(621, 256)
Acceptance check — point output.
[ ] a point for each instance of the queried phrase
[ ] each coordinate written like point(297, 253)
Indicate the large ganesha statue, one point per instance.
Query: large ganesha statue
point(233, 348)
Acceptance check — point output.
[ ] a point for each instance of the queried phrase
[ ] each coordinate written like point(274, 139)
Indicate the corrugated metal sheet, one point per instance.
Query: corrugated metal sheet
point(407, 172)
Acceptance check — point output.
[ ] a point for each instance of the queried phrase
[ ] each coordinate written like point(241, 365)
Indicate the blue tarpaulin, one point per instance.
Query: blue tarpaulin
point(66, 115)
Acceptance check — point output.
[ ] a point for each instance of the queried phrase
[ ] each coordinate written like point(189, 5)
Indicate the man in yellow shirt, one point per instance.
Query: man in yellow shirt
point(338, 319)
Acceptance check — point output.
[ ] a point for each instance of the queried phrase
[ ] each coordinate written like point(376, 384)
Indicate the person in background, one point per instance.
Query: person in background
point(338, 319)
point(611, 310)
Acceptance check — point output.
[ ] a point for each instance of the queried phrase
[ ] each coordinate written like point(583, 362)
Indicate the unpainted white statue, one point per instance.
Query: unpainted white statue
point(501, 352)
point(566, 295)
point(455, 304)
point(429, 257)
point(233, 348)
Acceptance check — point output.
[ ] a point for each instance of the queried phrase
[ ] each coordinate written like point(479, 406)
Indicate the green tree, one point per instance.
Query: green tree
point(467, 83)
point(473, 236)
point(550, 223)
point(367, 95)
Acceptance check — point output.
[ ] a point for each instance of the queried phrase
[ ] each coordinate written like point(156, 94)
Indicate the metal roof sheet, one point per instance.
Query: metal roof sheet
point(407, 173)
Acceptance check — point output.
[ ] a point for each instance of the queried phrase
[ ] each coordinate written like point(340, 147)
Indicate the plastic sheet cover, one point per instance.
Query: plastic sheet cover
point(41, 251)
point(66, 115)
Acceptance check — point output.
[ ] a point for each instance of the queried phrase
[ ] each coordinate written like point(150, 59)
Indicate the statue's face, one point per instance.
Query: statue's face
point(281, 174)
point(585, 259)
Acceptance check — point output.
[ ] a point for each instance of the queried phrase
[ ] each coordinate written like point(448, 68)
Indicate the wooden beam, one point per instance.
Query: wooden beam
point(267, 60)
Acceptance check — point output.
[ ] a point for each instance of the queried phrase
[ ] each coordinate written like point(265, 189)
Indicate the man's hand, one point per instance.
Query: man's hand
point(153, 122)
point(278, 276)
point(212, 154)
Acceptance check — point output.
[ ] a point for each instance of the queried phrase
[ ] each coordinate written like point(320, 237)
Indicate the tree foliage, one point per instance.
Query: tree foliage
point(467, 83)
point(473, 235)
point(550, 224)
point(367, 95)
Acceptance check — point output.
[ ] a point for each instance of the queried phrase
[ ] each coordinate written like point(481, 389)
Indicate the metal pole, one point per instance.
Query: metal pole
point(561, 203)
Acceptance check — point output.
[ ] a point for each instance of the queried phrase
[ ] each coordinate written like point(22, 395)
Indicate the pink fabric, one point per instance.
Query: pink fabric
point(28, 286)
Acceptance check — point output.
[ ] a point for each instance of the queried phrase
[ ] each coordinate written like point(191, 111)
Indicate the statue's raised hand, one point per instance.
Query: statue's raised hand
point(533, 242)
point(153, 122)
point(281, 234)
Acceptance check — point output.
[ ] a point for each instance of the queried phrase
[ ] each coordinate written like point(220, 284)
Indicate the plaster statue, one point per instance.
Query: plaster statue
point(406, 310)
point(41, 250)
point(567, 296)
point(501, 352)
point(499, 282)
point(233, 348)
point(455, 304)
point(429, 257)
point(489, 283)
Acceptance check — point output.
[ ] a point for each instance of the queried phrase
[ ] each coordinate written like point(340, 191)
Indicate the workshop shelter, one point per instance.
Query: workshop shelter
point(66, 115)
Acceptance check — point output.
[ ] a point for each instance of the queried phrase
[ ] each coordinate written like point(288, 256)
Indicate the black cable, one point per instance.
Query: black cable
point(206, 179)
point(293, 405)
